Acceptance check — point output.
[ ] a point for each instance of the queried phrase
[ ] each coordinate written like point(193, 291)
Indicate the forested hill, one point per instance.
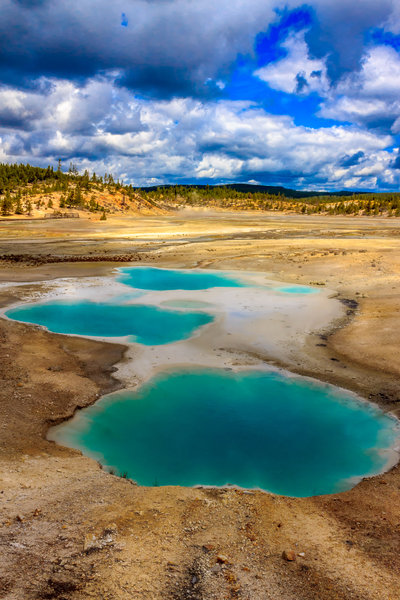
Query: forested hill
point(29, 191)
point(246, 188)
point(268, 198)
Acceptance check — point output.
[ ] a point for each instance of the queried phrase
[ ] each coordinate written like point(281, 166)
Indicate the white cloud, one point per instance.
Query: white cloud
point(297, 72)
point(105, 128)
point(370, 96)
point(380, 73)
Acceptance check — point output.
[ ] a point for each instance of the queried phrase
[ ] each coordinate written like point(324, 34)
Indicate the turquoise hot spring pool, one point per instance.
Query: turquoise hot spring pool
point(214, 427)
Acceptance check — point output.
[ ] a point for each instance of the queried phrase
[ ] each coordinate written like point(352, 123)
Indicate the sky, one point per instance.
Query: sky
point(204, 91)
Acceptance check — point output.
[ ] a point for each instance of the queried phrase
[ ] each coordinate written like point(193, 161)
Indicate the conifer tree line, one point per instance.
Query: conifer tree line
point(387, 204)
point(22, 187)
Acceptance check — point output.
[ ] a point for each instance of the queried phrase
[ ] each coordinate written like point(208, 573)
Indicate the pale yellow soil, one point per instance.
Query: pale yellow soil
point(69, 530)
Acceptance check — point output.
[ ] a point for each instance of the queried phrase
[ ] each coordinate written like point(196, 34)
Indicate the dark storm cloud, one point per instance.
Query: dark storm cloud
point(350, 161)
point(396, 163)
point(162, 80)
point(165, 47)
point(339, 32)
point(301, 83)
point(150, 43)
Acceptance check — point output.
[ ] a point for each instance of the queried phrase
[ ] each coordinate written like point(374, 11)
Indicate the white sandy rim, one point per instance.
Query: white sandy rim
point(251, 324)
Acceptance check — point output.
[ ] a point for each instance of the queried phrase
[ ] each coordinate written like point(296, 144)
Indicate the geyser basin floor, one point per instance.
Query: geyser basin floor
point(254, 429)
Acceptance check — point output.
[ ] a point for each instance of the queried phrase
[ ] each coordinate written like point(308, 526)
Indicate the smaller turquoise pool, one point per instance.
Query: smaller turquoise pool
point(147, 325)
point(296, 289)
point(151, 278)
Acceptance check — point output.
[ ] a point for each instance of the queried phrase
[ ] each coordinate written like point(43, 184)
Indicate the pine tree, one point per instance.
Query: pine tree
point(70, 199)
point(18, 206)
point(7, 205)
point(78, 196)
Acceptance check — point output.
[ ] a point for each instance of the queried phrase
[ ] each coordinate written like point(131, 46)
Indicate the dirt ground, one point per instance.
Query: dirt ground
point(69, 530)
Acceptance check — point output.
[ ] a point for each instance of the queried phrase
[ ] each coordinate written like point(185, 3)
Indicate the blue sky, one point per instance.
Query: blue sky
point(165, 91)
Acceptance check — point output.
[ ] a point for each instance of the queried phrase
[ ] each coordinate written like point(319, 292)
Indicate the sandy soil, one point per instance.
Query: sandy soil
point(70, 530)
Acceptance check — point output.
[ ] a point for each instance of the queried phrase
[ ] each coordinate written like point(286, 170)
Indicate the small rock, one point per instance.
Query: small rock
point(216, 569)
point(90, 542)
point(221, 558)
point(208, 547)
point(17, 545)
point(289, 555)
point(301, 554)
point(110, 530)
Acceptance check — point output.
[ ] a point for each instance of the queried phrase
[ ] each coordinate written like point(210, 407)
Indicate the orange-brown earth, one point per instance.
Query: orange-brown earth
point(111, 200)
point(69, 530)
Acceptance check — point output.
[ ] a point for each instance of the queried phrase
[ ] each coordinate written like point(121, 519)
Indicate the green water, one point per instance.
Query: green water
point(147, 325)
point(254, 429)
point(296, 289)
point(151, 278)
point(186, 304)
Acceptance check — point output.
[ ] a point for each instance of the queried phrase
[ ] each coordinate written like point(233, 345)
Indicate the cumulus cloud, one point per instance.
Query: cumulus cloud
point(141, 88)
point(100, 126)
point(340, 31)
point(297, 72)
point(370, 96)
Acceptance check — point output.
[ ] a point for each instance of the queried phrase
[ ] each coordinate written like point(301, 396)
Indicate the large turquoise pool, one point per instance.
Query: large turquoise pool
point(254, 429)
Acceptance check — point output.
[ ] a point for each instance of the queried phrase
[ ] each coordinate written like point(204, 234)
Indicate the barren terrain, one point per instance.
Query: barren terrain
point(69, 530)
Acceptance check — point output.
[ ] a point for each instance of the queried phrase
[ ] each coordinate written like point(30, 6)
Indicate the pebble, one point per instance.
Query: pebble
point(221, 558)
point(289, 555)
point(216, 569)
